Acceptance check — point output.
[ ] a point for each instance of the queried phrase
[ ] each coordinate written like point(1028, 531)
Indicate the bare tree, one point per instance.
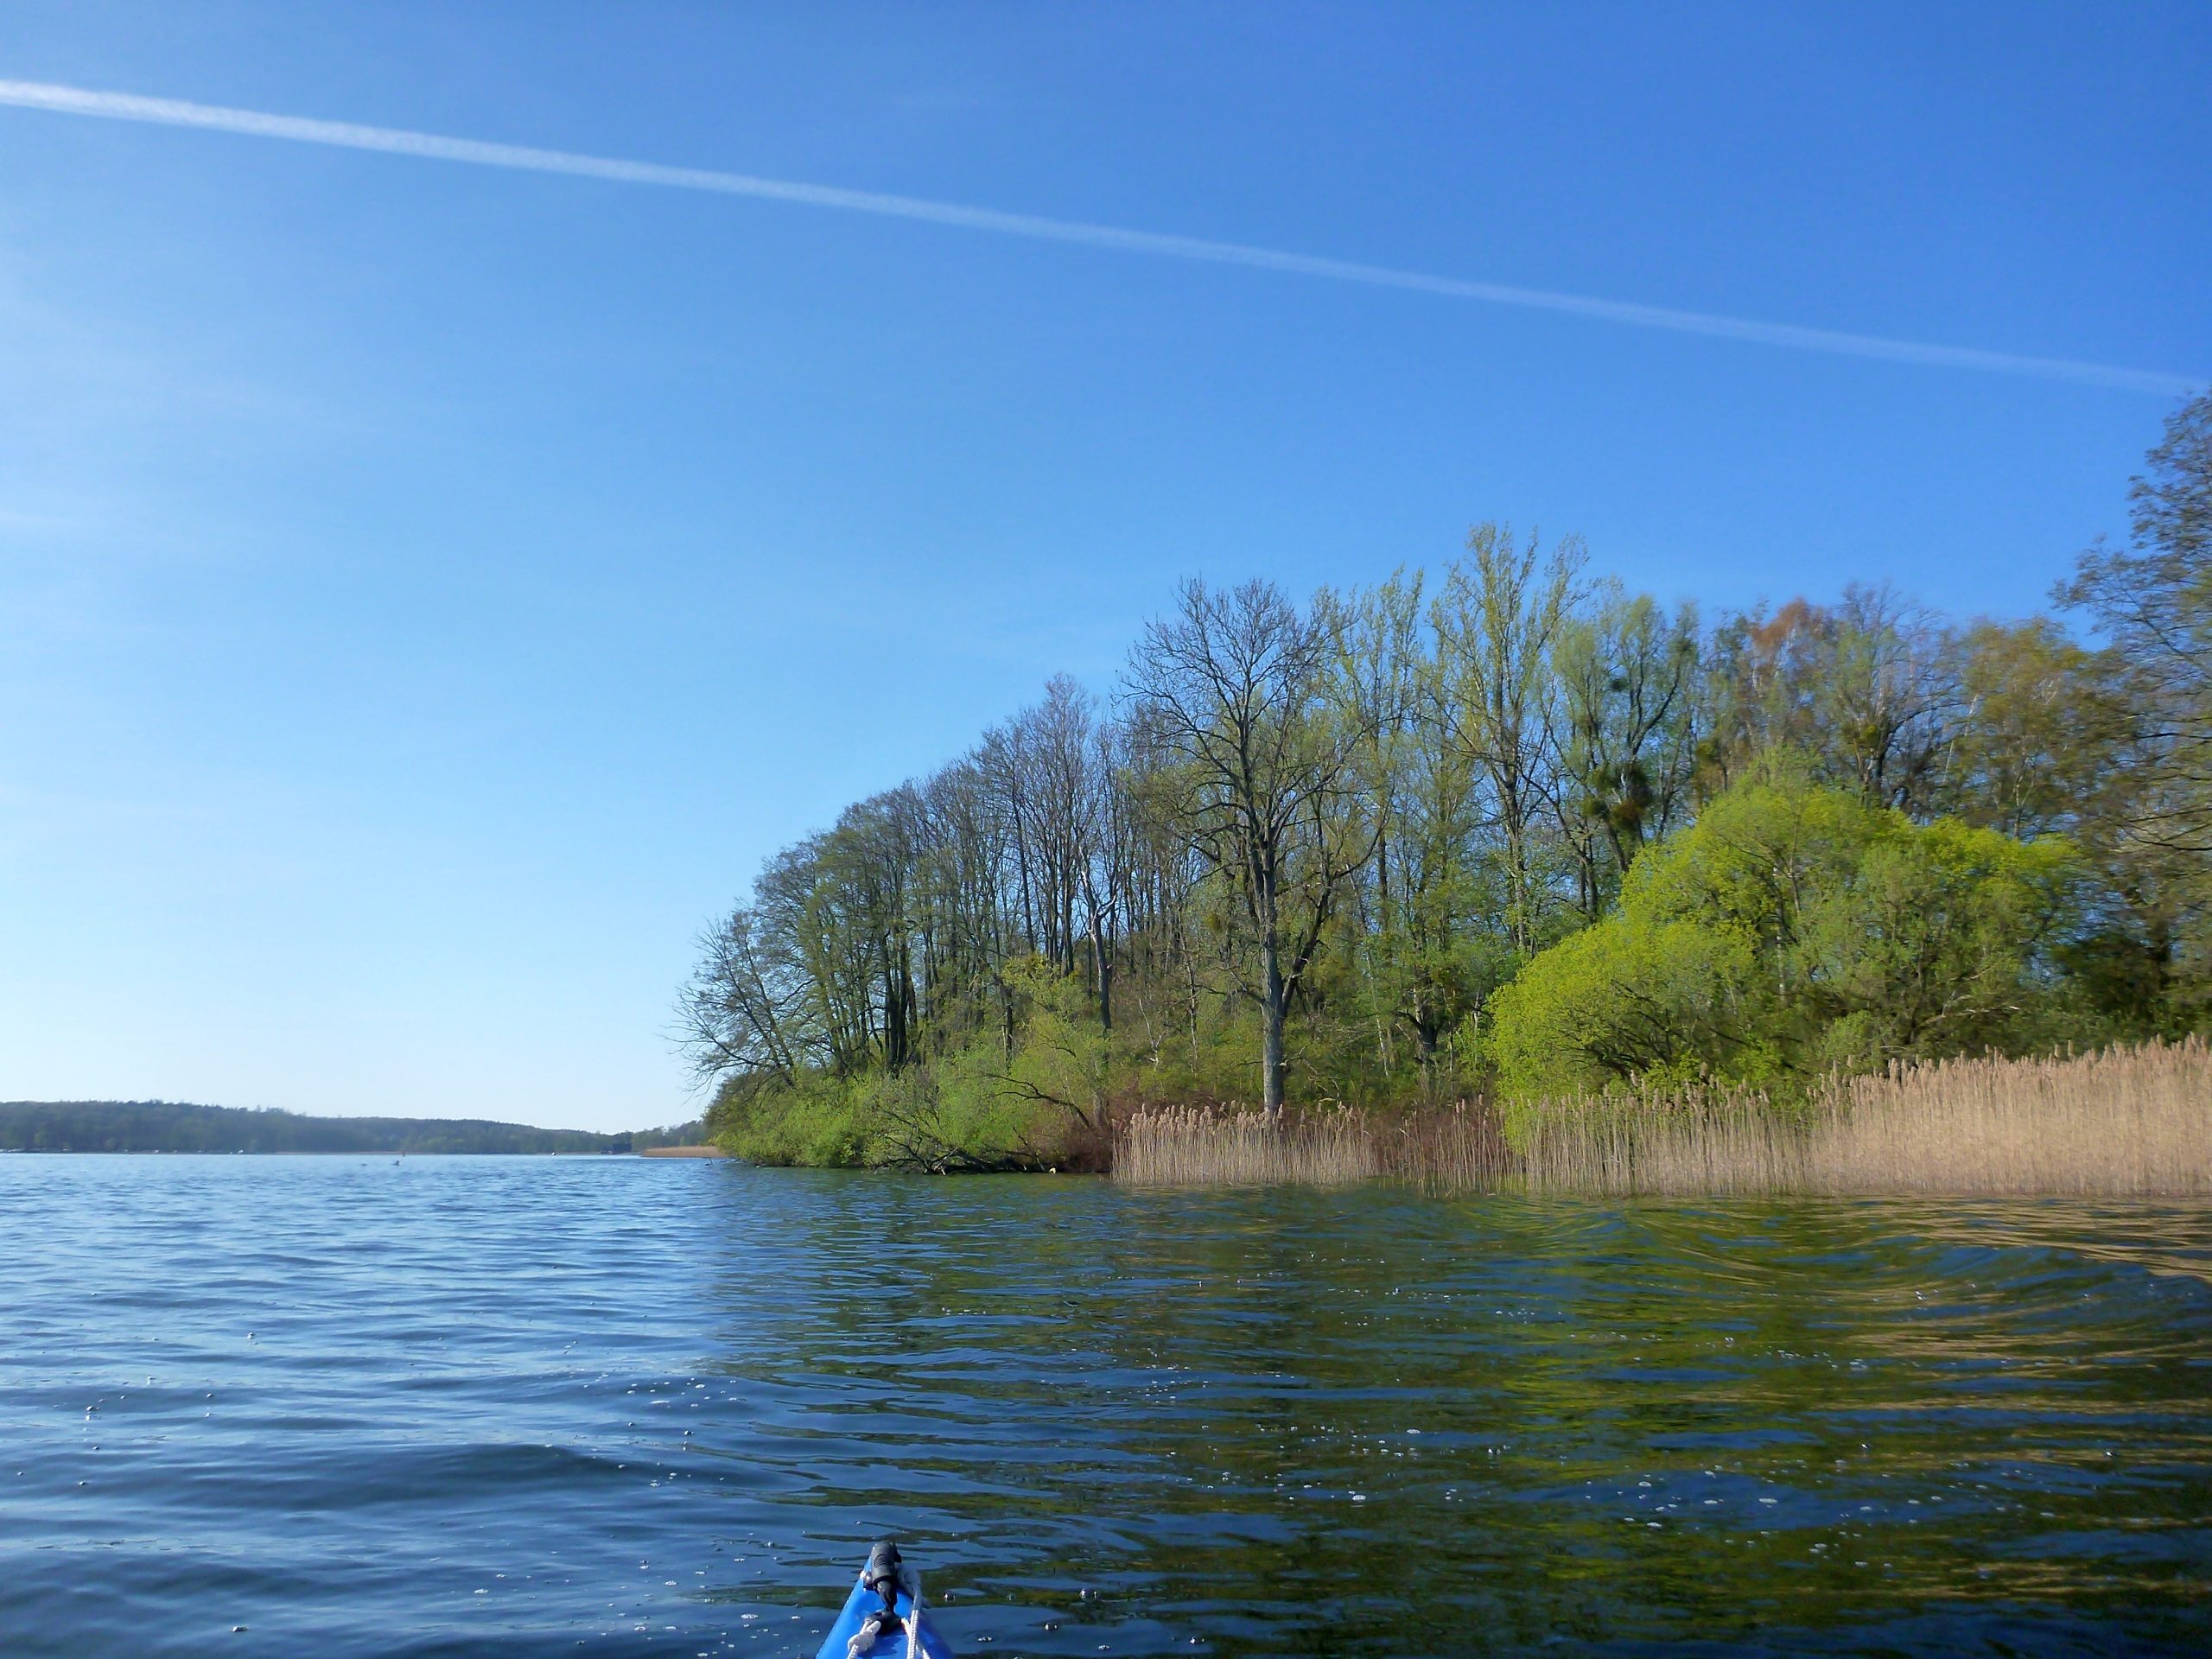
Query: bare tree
point(739, 1011)
point(1231, 685)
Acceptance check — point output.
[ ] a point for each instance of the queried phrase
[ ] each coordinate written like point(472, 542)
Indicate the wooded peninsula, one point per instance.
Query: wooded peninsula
point(1507, 832)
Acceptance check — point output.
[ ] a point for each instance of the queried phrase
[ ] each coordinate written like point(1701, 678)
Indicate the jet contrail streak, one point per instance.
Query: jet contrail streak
point(124, 106)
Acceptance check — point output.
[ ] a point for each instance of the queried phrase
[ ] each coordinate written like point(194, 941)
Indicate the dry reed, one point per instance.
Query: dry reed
point(1455, 1149)
point(2132, 1122)
point(1207, 1146)
point(2122, 1122)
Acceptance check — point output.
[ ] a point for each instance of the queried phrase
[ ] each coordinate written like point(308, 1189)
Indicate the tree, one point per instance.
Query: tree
point(740, 1007)
point(1497, 620)
point(2153, 602)
point(1793, 928)
point(1230, 689)
point(1627, 736)
point(1407, 930)
point(1863, 690)
point(2037, 730)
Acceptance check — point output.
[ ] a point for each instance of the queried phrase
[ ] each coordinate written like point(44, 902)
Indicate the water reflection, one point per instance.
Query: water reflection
point(1363, 1425)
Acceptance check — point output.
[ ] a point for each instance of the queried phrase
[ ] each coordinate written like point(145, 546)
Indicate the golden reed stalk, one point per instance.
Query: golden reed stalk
point(1206, 1146)
point(1460, 1149)
point(2128, 1122)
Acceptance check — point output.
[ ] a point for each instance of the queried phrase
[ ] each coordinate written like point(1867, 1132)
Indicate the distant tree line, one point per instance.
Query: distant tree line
point(1499, 826)
point(692, 1134)
point(171, 1126)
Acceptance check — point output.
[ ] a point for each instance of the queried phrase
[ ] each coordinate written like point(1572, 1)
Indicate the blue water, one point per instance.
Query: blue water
point(339, 1407)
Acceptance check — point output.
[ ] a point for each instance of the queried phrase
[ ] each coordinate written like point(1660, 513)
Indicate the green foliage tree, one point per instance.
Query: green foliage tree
point(1794, 928)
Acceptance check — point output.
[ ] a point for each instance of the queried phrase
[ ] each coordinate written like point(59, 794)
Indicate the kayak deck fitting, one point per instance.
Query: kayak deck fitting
point(883, 1618)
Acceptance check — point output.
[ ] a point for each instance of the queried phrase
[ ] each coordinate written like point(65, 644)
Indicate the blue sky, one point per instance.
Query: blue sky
point(427, 591)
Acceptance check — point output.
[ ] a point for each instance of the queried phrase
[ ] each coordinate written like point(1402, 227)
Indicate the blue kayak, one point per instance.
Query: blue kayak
point(888, 1593)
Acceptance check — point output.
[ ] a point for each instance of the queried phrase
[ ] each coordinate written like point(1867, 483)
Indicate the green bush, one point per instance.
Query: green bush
point(1791, 930)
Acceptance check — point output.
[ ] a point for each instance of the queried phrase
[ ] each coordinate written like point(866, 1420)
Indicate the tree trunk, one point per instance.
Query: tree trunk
point(1102, 962)
point(1272, 1011)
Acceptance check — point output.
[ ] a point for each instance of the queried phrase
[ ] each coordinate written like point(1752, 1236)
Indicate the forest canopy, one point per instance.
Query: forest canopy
point(1501, 827)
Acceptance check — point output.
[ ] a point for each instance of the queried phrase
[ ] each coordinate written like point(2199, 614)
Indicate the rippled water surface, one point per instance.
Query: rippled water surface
point(605, 1406)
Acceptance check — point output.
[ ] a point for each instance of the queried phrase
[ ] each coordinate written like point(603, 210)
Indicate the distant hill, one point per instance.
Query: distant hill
point(173, 1126)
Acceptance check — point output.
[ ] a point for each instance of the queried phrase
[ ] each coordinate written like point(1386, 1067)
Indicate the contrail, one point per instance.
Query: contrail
point(124, 106)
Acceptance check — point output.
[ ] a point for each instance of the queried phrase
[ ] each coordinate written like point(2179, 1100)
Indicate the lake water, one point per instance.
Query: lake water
point(599, 1405)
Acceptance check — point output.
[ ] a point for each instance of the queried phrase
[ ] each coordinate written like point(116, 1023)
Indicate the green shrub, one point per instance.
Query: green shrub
point(1792, 930)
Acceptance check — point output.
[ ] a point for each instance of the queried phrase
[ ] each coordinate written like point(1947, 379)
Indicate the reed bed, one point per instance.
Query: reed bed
point(1457, 1148)
point(1211, 1146)
point(2122, 1122)
point(2127, 1121)
point(1720, 1143)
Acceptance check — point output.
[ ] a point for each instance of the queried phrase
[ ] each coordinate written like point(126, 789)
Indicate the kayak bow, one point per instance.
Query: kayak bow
point(884, 1617)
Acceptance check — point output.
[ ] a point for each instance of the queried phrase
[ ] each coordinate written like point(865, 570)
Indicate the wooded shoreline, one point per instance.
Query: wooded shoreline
point(161, 1126)
point(1506, 831)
